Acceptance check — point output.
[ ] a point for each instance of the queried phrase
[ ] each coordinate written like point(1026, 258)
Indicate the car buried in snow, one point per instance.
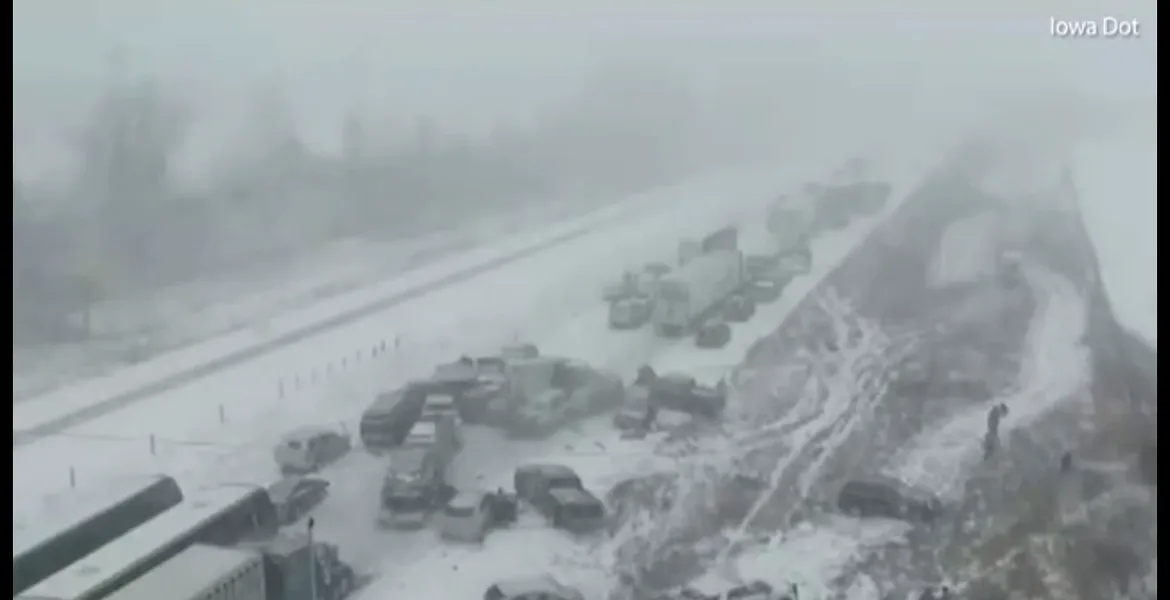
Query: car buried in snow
point(635, 414)
point(763, 291)
point(547, 393)
point(879, 497)
point(629, 313)
point(296, 496)
point(308, 449)
point(682, 392)
point(713, 334)
point(751, 590)
point(738, 309)
point(543, 587)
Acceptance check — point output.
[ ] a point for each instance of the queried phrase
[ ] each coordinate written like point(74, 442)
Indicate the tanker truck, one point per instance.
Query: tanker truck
point(710, 271)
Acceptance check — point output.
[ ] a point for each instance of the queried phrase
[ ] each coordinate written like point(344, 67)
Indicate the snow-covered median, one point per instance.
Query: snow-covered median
point(130, 330)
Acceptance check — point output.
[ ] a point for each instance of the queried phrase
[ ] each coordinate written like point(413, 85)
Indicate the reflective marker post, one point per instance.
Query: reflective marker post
point(312, 563)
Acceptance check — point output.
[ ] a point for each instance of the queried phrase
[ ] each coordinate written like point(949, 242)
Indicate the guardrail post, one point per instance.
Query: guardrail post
point(153, 446)
point(72, 477)
point(222, 414)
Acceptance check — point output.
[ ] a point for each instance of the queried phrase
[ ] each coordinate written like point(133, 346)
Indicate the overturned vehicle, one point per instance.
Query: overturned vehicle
point(546, 393)
point(679, 392)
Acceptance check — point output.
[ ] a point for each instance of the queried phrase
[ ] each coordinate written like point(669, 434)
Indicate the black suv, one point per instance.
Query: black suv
point(889, 499)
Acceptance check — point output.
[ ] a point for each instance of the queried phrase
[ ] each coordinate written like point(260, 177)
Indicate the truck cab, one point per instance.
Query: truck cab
point(574, 509)
point(682, 392)
point(534, 482)
point(286, 573)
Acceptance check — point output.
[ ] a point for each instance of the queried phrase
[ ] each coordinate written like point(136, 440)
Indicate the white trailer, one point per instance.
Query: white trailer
point(689, 295)
point(790, 223)
point(201, 573)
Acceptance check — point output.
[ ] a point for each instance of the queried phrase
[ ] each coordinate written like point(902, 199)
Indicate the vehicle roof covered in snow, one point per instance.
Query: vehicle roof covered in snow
point(307, 432)
point(572, 496)
point(535, 585)
point(408, 460)
point(547, 469)
point(467, 499)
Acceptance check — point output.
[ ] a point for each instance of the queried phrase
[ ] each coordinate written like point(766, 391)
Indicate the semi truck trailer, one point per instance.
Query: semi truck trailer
point(710, 271)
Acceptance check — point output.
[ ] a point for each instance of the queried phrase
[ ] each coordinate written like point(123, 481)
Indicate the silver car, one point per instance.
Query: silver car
point(308, 449)
point(467, 517)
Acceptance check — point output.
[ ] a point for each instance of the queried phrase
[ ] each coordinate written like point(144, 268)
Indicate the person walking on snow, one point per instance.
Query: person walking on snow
point(991, 438)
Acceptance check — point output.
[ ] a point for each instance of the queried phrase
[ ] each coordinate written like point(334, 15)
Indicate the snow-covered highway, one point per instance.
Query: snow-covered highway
point(531, 297)
point(889, 364)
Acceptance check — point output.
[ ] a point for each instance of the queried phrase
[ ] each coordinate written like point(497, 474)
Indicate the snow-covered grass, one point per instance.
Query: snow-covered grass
point(1054, 372)
point(128, 330)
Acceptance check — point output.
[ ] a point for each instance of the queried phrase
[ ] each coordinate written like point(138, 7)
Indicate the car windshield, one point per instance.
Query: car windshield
point(294, 444)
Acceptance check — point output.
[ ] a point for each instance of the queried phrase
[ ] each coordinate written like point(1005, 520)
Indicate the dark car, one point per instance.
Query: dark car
point(891, 499)
point(681, 392)
point(763, 291)
point(713, 335)
point(738, 309)
point(296, 496)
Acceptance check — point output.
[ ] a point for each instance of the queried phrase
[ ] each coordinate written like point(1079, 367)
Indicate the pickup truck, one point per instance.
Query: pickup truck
point(557, 493)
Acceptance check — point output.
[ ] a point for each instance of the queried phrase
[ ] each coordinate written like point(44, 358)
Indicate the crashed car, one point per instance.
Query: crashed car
point(763, 291)
point(752, 590)
point(1009, 270)
point(761, 266)
point(635, 412)
point(476, 382)
point(713, 334)
point(738, 309)
point(628, 287)
point(889, 499)
point(681, 392)
point(657, 269)
point(296, 496)
point(629, 313)
point(547, 393)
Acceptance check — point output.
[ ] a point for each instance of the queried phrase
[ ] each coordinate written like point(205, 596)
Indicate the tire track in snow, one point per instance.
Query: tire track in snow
point(838, 395)
point(1054, 372)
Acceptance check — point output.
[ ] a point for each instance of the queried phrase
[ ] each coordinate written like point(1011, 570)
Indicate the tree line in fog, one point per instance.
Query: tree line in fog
point(122, 225)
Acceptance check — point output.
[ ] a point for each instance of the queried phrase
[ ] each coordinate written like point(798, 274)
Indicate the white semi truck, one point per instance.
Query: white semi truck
point(710, 271)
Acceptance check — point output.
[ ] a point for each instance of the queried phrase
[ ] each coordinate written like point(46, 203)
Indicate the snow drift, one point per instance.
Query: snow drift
point(891, 366)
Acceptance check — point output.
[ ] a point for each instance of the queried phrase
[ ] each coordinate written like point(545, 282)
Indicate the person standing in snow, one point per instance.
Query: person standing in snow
point(991, 438)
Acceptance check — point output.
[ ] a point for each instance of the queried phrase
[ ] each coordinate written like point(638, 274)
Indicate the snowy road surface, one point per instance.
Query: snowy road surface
point(551, 299)
point(127, 330)
point(888, 367)
point(531, 298)
point(891, 367)
point(86, 400)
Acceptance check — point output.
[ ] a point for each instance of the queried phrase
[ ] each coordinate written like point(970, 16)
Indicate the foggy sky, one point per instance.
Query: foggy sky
point(468, 64)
